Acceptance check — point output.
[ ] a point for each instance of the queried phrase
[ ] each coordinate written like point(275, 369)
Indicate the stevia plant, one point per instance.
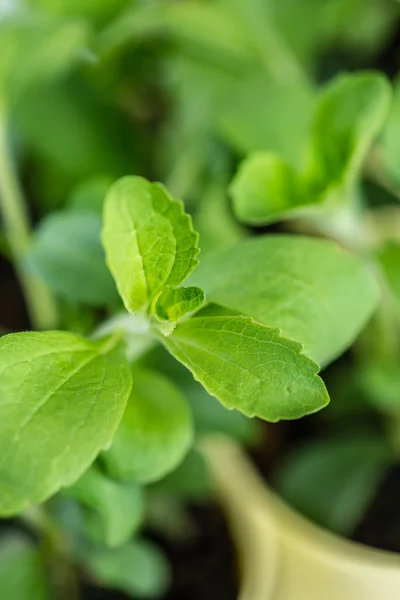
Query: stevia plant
point(99, 418)
point(238, 322)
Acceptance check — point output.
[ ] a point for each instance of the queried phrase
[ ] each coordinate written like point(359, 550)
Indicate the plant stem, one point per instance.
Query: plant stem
point(63, 573)
point(40, 304)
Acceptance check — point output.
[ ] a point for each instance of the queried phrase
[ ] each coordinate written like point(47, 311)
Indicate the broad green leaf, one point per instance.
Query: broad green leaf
point(264, 189)
point(35, 51)
point(22, 572)
point(389, 260)
point(67, 254)
point(149, 240)
point(61, 400)
point(311, 289)
point(138, 569)
point(155, 433)
point(249, 367)
point(173, 304)
point(350, 113)
point(117, 508)
point(345, 471)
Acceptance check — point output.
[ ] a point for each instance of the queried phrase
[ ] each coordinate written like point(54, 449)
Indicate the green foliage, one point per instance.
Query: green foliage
point(347, 471)
point(149, 241)
point(22, 572)
point(155, 433)
point(49, 433)
point(98, 10)
point(349, 115)
point(67, 254)
point(116, 509)
point(173, 304)
point(33, 52)
point(265, 188)
point(249, 367)
point(138, 569)
point(108, 429)
point(316, 293)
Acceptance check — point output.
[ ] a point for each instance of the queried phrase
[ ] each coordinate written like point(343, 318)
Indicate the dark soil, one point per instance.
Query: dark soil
point(380, 527)
point(203, 566)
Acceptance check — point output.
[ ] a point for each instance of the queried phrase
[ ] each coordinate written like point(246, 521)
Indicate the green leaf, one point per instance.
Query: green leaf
point(351, 112)
point(173, 304)
point(155, 433)
point(137, 569)
point(264, 189)
point(249, 367)
point(149, 240)
point(67, 254)
point(312, 290)
point(22, 572)
point(35, 51)
point(348, 117)
point(117, 508)
point(347, 473)
point(389, 260)
point(61, 399)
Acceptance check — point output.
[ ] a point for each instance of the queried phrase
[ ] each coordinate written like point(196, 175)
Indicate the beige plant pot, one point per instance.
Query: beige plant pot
point(283, 556)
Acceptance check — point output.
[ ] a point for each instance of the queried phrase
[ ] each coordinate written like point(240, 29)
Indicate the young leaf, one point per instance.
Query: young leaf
point(311, 289)
point(350, 114)
point(249, 367)
point(155, 433)
point(22, 572)
point(67, 254)
point(264, 189)
point(61, 399)
point(117, 508)
point(149, 240)
point(348, 472)
point(173, 304)
point(138, 569)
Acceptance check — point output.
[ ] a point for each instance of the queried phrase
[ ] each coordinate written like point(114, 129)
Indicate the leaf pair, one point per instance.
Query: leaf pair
point(285, 283)
point(151, 248)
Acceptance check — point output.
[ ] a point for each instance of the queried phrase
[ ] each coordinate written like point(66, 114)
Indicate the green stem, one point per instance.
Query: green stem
point(63, 573)
point(40, 304)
